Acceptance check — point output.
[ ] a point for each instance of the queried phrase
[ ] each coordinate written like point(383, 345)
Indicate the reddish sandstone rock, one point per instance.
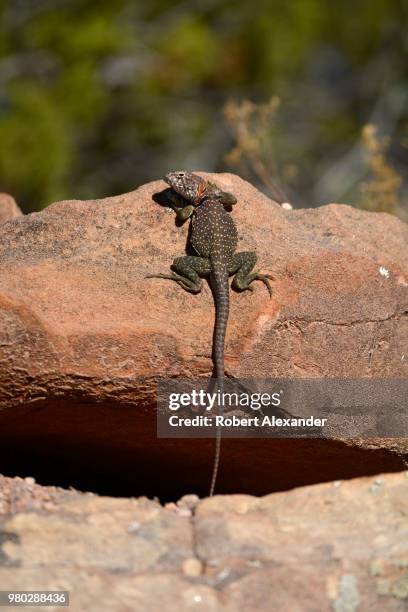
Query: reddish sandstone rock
point(339, 546)
point(72, 284)
point(83, 334)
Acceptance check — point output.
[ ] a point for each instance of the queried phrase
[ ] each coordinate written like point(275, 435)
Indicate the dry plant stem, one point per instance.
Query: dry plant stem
point(380, 194)
point(259, 168)
point(249, 123)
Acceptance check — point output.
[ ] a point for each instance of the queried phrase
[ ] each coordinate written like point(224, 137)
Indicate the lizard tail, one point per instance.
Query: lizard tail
point(219, 282)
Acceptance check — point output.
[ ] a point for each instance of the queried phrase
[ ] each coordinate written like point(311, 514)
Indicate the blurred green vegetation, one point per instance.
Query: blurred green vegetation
point(99, 97)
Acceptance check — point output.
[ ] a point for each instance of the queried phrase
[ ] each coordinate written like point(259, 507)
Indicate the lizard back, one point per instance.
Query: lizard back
point(214, 233)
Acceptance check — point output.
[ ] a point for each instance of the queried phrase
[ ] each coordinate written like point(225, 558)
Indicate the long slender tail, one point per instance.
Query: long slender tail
point(219, 282)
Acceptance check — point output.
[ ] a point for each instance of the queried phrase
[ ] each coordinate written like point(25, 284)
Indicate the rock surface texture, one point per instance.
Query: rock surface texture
point(83, 336)
point(340, 546)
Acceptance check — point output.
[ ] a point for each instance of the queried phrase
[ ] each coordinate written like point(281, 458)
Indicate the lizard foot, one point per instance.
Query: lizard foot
point(244, 284)
point(264, 278)
point(179, 280)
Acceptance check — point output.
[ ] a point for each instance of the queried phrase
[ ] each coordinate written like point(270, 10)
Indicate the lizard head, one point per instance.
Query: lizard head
point(190, 186)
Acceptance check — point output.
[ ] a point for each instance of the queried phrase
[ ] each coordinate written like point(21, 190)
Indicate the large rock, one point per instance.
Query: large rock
point(339, 546)
point(83, 336)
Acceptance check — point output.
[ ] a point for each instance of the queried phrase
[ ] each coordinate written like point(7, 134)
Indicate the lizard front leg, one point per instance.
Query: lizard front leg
point(181, 207)
point(241, 265)
point(188, 272)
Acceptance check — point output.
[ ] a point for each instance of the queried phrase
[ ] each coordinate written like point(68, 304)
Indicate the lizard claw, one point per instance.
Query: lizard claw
point(158, 276)
point(179, 280)
point(264, 279)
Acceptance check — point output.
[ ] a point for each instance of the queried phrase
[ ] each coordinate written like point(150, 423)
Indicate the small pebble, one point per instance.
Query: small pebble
point(253, 563)
point(192, 567)
point(223, 574)
point(374, 488)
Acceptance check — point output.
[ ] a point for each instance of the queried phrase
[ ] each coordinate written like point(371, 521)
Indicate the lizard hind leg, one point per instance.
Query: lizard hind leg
point(188, 271)
point(242, 265)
